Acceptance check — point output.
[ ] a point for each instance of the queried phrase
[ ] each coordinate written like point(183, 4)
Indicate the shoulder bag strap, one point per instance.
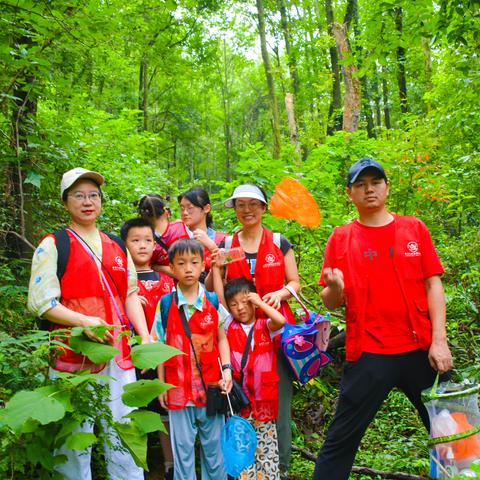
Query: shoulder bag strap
point(105, 282)
point(188, 333)
point(297, 298)
point(245, 353)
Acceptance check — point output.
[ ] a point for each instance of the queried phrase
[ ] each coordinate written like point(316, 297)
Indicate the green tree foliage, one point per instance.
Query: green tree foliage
point(160, 96)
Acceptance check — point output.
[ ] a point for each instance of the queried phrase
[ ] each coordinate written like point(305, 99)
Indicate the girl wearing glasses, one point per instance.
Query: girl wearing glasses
point(196, 211)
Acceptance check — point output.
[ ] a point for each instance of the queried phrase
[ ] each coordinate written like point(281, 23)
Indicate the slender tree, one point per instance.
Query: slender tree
point(275, 118)
point(400, 52)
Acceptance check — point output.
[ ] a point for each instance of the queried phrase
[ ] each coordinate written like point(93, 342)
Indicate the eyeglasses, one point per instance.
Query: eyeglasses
point(81, 197)
point(248, 206)
point(188, 209)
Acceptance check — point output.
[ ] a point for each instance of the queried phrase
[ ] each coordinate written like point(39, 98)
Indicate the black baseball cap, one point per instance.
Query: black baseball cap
point(358, 167)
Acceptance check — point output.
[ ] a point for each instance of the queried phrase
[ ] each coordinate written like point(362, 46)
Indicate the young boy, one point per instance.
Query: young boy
point(137, 234)
point(259, 378)
point(192, 317)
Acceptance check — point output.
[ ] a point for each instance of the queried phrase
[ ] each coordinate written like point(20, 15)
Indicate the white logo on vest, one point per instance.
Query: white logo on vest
point(412, 248)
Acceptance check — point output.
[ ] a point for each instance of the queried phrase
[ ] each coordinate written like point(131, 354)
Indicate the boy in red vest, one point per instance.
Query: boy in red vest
point(252, 344)
point(385, 270)
point(191, 320)
point(138, 235)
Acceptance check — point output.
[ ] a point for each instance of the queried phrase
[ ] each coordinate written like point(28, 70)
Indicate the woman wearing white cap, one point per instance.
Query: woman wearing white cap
point(84, 277)
point(270, 263)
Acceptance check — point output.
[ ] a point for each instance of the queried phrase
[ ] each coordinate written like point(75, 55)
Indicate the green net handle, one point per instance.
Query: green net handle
point(454, 437)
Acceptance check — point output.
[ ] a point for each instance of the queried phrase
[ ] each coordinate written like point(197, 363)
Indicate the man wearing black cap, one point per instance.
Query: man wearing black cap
point(385, 270)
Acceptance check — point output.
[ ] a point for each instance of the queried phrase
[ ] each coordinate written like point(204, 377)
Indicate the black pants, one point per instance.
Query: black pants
point(365, 384)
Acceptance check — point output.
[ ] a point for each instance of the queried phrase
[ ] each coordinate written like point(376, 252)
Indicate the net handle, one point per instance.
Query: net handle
point(223, 378)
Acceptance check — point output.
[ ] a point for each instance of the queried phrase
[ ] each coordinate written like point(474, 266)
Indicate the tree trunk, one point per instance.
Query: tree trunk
point(275, 119)
point(427, 59)
point(386, 104)
point(291, 58)
point(226, 115)
point(401, 77)
point(367, 108)
point(334, 111)
point(376, 99)
point(292, 127)
point(18, 193)
point(143, 92)
point(351, 105)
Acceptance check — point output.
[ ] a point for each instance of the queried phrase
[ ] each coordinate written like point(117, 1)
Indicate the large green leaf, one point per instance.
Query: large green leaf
point(68, 427)
point(80, 377)
point(147, 421)
point(61, 395)
point(96, 352)
point(152, 354)
point(135, 441)
point(80, 440)
point(142, 392)
point(36, 405)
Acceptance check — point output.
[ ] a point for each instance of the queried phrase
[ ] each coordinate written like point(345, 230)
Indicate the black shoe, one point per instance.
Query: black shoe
point(169, 474)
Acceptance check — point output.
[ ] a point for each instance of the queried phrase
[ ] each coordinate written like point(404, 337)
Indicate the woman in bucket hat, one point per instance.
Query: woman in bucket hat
point(270, 263)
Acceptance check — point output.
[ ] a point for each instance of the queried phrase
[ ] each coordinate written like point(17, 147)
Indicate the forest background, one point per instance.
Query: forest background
point(162, 95)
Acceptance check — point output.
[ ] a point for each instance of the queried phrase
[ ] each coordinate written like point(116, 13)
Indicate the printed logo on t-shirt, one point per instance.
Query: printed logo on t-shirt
point(270, 260)
point(149, 284)
point(207, 321)
point(412, 248)
point(166, 288)
point(119, 264)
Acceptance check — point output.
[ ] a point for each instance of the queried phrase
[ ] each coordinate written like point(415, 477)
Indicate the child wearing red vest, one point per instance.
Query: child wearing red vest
point(259, 378)
point(138, 235)
point(191, 320)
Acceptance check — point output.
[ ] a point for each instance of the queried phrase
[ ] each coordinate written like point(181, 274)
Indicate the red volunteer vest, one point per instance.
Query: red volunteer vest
point(260, 381)
point(82, 291)
point(269, 270)
point(409, 273)
point(152, 291)
point(181, 370)
point(175, 230)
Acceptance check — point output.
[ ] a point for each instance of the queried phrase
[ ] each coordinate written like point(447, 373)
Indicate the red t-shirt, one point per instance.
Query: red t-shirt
point(388, 329)
point(153, 285)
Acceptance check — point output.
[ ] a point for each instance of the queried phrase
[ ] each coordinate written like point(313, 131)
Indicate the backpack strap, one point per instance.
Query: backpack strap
point(118, 241)
point(62, 242)
point(212, 297)
point(160, 242)
point(165, 304)
point(277, 239)
point(228, 242)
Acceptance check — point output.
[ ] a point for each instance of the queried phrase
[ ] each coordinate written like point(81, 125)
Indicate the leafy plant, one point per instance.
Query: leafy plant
point(44, 413)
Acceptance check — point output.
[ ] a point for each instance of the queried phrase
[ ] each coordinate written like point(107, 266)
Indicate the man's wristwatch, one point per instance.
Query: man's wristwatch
point(226, 366)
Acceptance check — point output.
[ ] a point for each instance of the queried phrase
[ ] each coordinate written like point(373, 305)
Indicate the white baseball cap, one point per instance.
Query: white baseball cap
point(75, 174)
point(246, 190)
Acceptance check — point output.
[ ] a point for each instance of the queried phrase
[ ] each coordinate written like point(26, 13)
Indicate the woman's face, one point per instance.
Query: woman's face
point(249, 211)
point(84, 202)
point(193, 216)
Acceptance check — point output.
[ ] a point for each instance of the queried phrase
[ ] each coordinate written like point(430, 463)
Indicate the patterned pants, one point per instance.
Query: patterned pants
point(266, 457)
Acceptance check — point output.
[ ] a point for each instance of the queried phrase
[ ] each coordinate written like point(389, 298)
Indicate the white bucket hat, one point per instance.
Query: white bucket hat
point(70, 177)
point(246, 190)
